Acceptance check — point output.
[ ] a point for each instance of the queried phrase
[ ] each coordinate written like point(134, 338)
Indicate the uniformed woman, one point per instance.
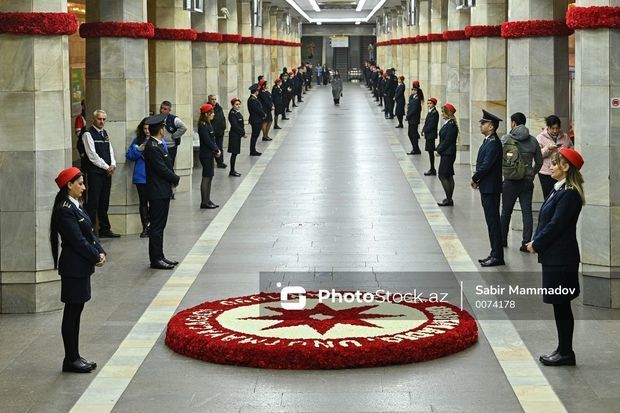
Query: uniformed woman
point(556, 244)
point(265, 99)
point(278, 103)
point(237, 131)
point(399, 98)
point(447, 150)
point(414, 112)
point(80, 253)
point(208, 149)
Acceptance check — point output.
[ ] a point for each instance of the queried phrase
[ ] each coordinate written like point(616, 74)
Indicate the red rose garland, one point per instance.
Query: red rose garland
point(421, 38)
point(535, 28)
point(231, 38)
point(38, 24)
point(594, 17)
point(435, 37)
point(212, 37)
point(454, 35)
point(247, 40)
point(175, 34)
point(117, 29)
point(483, 31)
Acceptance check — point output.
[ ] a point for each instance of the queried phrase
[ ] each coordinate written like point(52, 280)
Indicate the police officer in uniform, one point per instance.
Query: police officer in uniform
point(488, 179)
point(257, 116)
point(160, 178)
point(80, 253)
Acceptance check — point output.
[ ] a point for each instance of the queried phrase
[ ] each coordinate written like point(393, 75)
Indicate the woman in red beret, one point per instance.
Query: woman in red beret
point(555, 242)
point(448, 135)
point(80, 253)
point(208, 149)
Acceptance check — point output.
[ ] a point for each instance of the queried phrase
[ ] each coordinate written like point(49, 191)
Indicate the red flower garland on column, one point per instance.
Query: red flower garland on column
point(211, 37)
point(247, 40)
point(421, 38)
point(535, 28)
point(175, 34)
point(117, 29)
point(594, 17)
point(435, 37)
point(231, 38)
point(483, 31)
point(454, 35)
point(38, 24)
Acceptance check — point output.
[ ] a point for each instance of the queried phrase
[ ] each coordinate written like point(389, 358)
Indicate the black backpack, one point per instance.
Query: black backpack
point(80, 143)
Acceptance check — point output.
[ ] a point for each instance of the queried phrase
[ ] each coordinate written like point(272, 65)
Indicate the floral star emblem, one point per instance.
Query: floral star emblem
point(321, 318)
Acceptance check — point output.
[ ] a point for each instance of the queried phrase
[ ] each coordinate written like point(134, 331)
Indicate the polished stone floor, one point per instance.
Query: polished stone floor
point(333, 197)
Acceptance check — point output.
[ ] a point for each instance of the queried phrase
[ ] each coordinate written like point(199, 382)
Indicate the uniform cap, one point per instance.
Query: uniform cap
point(233, 100)
point(207, 107)
point(66, 175)
point(416, 83)
point(489, 117)
point(253, 88)
point(573, 157)
point(155, 119)
point(448, 106)
point(432, 99)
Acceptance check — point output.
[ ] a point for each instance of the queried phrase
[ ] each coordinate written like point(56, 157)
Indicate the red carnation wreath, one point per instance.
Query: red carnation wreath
point(256, 331)
point(435, 37)
point(421, 38)
point(38, 24)
point(483, 31)
point(247, 40)
point(212, 37)
point(594, 17)
point(454, 35)
point(117, 29)
point(535, 28)
point(175, 34)
point(231, 38)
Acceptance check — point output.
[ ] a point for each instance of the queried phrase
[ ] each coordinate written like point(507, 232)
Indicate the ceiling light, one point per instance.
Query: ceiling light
point(314, 5)
point(377, 7)
point(358, 22)
point(300, 10)
point(360, 5)
point(318, 23)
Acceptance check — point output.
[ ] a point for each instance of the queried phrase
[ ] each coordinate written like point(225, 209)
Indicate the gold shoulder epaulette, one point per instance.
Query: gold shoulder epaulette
point(568, 186)
point(66, 204)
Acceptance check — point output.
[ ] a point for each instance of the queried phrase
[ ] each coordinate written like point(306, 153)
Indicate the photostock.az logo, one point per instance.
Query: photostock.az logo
point(286, 292)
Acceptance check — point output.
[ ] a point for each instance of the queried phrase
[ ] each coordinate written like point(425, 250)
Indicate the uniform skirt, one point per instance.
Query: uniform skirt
point(234, 144)
point(74, 290)
point(446, 165)
point(563, 276)
point(269, 117)
point(429, 145)
point(207, 166)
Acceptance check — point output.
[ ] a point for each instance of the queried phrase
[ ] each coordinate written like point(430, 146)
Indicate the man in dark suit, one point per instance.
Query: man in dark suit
point(389, 92)
point(160, 178)
point(257, 115)
point(488, 179)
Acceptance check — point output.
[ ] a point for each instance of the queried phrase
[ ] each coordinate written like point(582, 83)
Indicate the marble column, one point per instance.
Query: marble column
point(404, 66)
point(266, 49)
point(457, 87)
point(597, 127)
point(229, 55)
point(439, 51)
point(35, 144)
point(170, 68)
point(424, 51)
point(281, 33)
point(205, 60)
point(246, 72)
point(487, 74)
point(276, 67)
point(414, 58)
point(398, 34)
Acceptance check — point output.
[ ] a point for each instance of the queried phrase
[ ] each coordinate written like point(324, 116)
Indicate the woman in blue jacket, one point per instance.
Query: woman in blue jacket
point(448, 134)
point(208, 150)
point(135, 153)
point(556, 244)
point(80, 253)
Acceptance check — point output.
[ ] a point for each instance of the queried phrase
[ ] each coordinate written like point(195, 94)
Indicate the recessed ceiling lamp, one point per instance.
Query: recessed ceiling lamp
point(319, 23)
point(358, 22)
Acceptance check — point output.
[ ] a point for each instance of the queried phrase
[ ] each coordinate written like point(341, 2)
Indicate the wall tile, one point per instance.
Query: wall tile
point(20, 106)
point(16, 66)
point(17, 241)
point(17, 183)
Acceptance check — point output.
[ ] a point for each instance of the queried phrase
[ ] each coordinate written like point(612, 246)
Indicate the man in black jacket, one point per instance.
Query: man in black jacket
point(488, 179)
point(160, 178)
point(257, 115)
point(389, 91)
point(219, 128)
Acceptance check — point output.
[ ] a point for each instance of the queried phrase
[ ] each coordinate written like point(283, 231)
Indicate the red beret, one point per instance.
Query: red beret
point(290, 73)
point(450, 107)
point(66, 175)
point(206, 108)
point(435, 101)
point(277, 81)
point(573, 157)
point(262, 82)
point(416, 83)
point(233, 100)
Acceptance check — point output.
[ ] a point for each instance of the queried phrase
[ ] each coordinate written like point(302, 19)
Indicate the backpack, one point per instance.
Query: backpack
point(513, 165)
point(80, 143)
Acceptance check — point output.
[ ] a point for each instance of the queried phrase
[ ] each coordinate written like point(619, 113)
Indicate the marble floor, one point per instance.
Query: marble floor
point(333, 196)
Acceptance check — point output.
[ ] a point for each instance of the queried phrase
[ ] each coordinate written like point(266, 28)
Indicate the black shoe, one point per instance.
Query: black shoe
point(399, 126)
point(92, 364)
point(416, 152)
point(548, 355)
point(277, 127)
point(77, 366)
point(267, 139)
point(172, 196)
point(108, 234)
point(481, 260)
point(558, 360)
point(209, 205)
point(445, 202)
point(286, 118)
point(288, 111)
point(492, 262)
point(161, 265)
point(523, 248)
point(222, 165)
point(256, 153)
point(213, 205)
point(432, 172)
point(171, 262)
point(391, 117)
point(144, 233)
point(234, 173)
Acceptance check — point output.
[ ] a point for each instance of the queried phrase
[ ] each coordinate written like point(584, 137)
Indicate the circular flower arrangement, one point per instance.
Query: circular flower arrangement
point(256, 331)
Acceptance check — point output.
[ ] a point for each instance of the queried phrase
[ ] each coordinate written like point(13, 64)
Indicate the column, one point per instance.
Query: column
point(457, 87)
point(439, 51)
point(487, 71)
point(35, 144)
point(229, 55)
point(205, 60)
point(266, 33)
point(274, 30)
point(281, 34)
point(392, 35)
point(398, 49)
point(424, 51)
point(170, 67)
point(404, 66)
point(597, 81)
point(257, 52)
point(414, 58)
point(246, 73)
